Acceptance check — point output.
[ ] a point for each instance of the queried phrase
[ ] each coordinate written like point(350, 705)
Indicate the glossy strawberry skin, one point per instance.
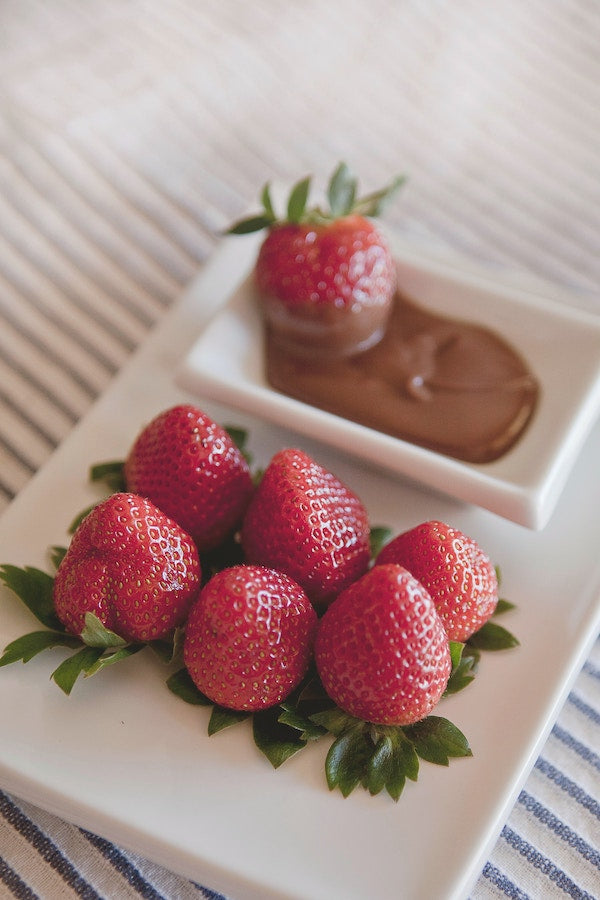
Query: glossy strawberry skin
point(381, 650)
point(190, 468)
point(305, 522)
point(249, 637)
point(455, 570)
point(325, 290)
point(342, 263)
point(131, 566)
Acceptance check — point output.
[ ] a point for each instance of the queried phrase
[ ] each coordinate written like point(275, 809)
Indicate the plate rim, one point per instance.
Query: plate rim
point(159, 347)
point(529, 505)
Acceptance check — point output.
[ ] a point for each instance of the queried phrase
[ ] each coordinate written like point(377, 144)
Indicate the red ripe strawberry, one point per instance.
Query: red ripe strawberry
point(325, 280)
point(249, 637)
point(305, 522)
point(457, 573)
point(131, 566)
point(191, 469)
point(381, 650)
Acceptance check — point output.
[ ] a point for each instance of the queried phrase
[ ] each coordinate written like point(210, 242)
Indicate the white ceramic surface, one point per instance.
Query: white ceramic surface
point(124, 758)
point(561, 345)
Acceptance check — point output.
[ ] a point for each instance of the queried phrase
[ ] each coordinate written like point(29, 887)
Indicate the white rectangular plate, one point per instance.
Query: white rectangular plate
point(560, 344)
point(124, 758)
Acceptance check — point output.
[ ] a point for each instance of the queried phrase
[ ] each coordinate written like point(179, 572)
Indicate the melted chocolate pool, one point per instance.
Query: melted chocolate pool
point(451, 386)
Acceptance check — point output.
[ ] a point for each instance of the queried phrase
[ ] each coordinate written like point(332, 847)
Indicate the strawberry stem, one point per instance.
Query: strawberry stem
point(342, 197)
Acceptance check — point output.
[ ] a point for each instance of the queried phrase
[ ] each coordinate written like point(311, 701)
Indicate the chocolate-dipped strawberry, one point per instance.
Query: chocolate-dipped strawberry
point(325, 279)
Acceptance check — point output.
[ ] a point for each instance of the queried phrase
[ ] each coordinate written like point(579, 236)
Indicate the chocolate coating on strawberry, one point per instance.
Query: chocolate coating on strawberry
point(305, 522)
point(458, 574)
point(132, 567)
point(190, 468)
point(249, 638)
point(381, 650)
point(325, 279)
point(326, 290)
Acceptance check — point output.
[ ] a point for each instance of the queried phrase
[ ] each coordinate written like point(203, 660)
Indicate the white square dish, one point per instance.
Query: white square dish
point(125, 759)
point(561, 345)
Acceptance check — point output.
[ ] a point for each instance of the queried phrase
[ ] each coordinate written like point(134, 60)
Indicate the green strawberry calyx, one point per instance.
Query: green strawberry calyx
point(376, 757)
point(96, 648)
point(342, 196)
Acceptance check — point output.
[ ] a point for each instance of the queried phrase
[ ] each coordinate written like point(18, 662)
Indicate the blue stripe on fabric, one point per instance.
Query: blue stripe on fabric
point(123, 866)
point(20, 458)
point(46, 848)
point(132, 874)
point(577, 746)
point(588, 711)
point(504, 884)
point(15, 883)
point(559, 828)
point(29, 421)
point(210, 895)
point(544, 865)
point(574, 791)
point(590, 669)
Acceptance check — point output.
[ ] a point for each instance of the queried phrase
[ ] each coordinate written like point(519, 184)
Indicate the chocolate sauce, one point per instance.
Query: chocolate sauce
point(448, 385)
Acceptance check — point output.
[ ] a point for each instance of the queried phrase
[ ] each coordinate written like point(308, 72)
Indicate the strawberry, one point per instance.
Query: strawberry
point(381, 650)
point(191, 469)
point(455, 570)
point(305, 522)
point(325, 279)
point(249, 637)
point(130, 565)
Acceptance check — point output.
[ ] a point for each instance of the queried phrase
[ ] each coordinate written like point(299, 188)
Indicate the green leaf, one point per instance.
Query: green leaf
point(249, 225)
point(76, 522)
point(311, 694)
point(379, 767)
point(307, 729)
point(492, 636)
point(221, 718)
point(94, 634)
point(463, 670)
point(335, 720)
point(341, 191)
point(110, 473)
point(297, 200)
point(456, 651)
point(276, 740)
point(307, 700)
point(392, 762)
point(69, 671)
point(436, 740)
point(34, 588)
point(347, 760)
point(374, 204)
point(169, 650)
point(238, 435)
point(182, 686)
point(57, 554)
point(267, 202)
point(379, 536)
point(503, 606)
point(29, 645)
point(109, 659)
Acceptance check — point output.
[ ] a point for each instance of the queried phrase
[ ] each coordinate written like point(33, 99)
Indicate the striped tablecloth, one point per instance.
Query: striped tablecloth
point(133, 131)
